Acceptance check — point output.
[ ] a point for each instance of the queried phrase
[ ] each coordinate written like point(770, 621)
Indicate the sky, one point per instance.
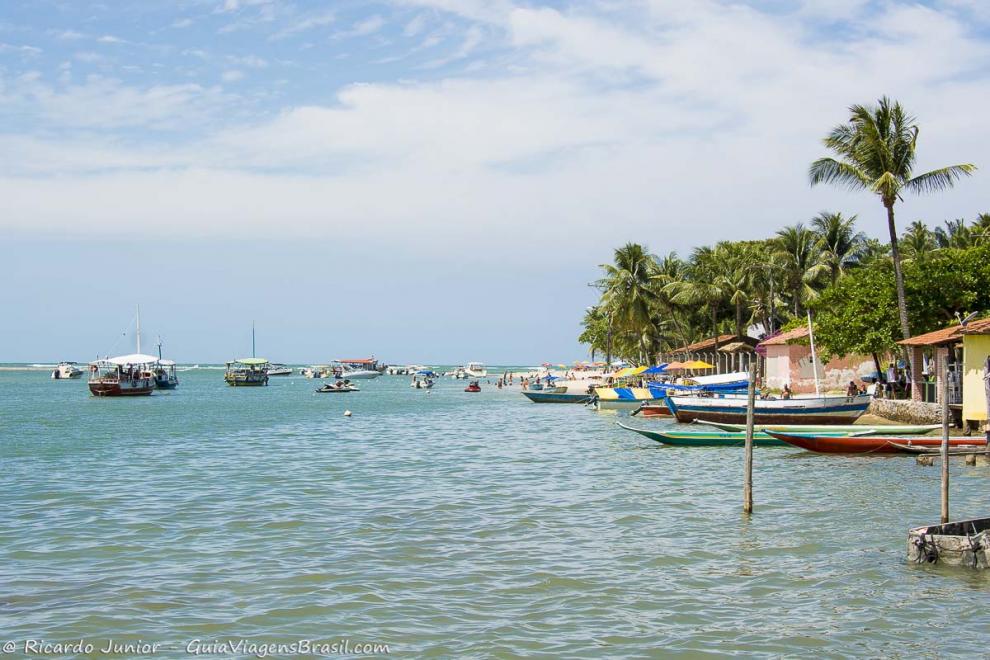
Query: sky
point(429, 181)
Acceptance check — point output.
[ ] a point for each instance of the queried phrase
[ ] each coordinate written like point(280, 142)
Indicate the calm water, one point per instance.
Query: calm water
point(453, 524)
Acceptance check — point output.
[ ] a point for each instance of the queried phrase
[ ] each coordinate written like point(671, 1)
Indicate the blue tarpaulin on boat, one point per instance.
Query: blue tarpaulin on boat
point(625, 393)
point(659, 369)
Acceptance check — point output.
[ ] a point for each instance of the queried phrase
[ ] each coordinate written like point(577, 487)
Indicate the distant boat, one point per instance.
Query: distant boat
point(473, 386)
point(165, 377)
point(340, 387)
point(279, 370)
point(66, 370)
point(871, 444)
point(475, 370)
point(247, 372)
point(356, 369)
point(797, 410)
point(126, 375)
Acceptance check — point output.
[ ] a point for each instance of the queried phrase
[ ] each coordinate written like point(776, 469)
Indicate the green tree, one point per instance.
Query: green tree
point(841, 244)
point(804, 267)
point(917, 242)
point(630, 292)
point(875, 151)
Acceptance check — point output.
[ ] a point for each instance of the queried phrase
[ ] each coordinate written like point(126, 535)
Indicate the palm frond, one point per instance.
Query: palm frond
point(940, 179)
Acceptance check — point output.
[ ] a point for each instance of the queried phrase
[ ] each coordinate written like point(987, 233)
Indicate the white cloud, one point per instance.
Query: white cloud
point(305, 23)
point(675, 125)
point(232, 75)
point(182, 23)
point(362, 28)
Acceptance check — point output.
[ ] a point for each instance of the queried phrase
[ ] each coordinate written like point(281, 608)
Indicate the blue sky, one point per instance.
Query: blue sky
point(428, 180)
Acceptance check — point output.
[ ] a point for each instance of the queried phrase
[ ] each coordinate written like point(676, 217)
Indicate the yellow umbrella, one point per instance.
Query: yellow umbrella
point(622, 373)
point(697, 364)
point(638, 370)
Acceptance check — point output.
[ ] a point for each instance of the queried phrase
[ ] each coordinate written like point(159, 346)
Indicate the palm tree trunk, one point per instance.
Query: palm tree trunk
point(898, 275)
point(739, 331)
point(715, 324)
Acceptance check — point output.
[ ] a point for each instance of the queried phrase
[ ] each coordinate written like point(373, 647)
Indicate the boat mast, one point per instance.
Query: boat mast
point(139, 328)
point(252, 339)
point(814, 357)
point(159, 347)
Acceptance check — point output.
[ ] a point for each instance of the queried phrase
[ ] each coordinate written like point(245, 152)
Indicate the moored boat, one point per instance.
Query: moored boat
point(865, 444)
point(339, 387)
point(858, 429)
point(797, 410)
point(658, 409)
point(704, 438)
point(556, 395)
point(247, 372)
point(125, 375)
point(475, 370)
point(66, 370)
point(165, 376)
point(279, 370)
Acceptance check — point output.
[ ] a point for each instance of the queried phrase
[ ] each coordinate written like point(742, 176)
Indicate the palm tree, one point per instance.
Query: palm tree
point(841, 244)
point(981, 228)
point(875, 151)
point(917, 241)
point(955, 235)
point(701, 285)
point(629, 290)
point(804, 265)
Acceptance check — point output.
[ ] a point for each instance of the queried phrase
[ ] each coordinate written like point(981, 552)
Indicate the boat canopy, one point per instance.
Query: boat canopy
point(167, 363)
point(719, 379)
point(250, 361)
point(133, 358)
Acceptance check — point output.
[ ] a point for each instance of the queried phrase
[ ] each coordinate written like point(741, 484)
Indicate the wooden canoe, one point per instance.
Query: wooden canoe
point(860, 444)
point(798, 410)
point(704, 438)
point(858, 429)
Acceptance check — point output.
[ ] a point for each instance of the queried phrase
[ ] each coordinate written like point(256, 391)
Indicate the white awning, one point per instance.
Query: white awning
point(133, 358)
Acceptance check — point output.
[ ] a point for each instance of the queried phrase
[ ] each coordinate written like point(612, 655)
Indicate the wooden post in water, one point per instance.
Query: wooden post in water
point(945, 448)
point(748, 460)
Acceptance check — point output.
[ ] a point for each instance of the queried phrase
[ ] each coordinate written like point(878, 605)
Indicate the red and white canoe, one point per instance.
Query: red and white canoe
point(867, 444)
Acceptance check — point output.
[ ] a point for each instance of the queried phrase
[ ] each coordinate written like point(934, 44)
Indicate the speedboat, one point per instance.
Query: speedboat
point(425, 384)
point(66, 370)
point(473, 386)
point(317, 371)
point(279, 370)
point(364, 369)
point(339, 387)
point(475, 370)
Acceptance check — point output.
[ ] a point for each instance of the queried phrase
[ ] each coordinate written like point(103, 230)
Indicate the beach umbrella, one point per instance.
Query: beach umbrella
point(698, 364)
point(659, 369)
point(674, 365)
point(635, 371)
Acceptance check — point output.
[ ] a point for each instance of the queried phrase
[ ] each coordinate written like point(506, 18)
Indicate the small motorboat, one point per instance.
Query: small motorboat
point(66, 370)
point(473, 386)
point(337, 387)
point(866, 444)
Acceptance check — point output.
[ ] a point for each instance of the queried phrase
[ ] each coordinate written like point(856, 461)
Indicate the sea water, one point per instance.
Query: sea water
point(448, 523)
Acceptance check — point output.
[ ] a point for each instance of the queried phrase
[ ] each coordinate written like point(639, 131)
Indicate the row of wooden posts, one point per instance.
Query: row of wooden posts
point(748, 460)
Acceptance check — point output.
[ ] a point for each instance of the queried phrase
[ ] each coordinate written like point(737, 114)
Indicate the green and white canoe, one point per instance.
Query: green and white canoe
point(852, 429)
point(705, 438)
point(714, 438)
